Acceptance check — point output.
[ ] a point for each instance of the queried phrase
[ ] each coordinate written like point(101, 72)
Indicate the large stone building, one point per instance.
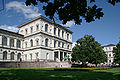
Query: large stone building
point(38, 39)
point(110, 55)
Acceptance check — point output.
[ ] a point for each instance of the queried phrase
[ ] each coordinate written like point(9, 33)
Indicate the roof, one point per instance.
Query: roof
point(10, 33)
point(108, 45)
point(43, 18)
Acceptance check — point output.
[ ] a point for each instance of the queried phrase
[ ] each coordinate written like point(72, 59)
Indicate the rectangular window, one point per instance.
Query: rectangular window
point(31, 57)
point(62, 45)
point(67, 36)
point(25, 56)
point(37, 27)
point(11, 42)
point(46, 27)
point(18, 43)
point(62, 34)
point(31, 29)
point(25, 44)
point(58, 43)
point(59, 32)
point(54, 44)
point(68, 47)
point(26, 31)
point(54, 31)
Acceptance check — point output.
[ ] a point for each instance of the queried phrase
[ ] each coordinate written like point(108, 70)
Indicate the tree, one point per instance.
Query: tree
point(88, 50)
point(116, 50)
point(68, 10)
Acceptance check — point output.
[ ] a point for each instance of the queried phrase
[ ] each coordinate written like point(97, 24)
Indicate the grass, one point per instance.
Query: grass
point(50, 74)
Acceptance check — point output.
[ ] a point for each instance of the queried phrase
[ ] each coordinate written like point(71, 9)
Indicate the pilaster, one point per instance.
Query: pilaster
point(0, 40)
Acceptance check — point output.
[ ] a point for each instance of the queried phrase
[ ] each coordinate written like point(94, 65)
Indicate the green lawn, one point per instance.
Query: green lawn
point(49, 74)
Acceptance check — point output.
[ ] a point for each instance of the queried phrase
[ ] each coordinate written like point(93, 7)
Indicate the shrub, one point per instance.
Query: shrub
point(81, 69)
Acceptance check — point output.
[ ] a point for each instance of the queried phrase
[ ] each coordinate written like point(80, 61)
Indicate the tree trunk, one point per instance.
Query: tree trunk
point(96, 65)
point(83, 64)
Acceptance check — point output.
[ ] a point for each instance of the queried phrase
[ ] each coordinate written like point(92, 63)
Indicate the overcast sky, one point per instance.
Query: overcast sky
point(106, 30)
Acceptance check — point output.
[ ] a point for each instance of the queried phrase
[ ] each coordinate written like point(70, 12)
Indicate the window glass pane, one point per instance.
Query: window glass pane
point(62, 34)
point(62, 45)
point(4, 55)
point(54, 44)
point(4, 41)
point(25, 44)
point(59, 32)
point(11, 42)
point(58, 43)
point(46, 42)
point(26, 31)
point(67, 36)
point(12, 56)
point(18, 44)
point(54, 31)
point(46, 27)
point(37, 27)
point(31, 29)
point(31, 42)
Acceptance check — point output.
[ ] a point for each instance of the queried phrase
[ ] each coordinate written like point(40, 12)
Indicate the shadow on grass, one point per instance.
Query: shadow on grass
point(36, 74)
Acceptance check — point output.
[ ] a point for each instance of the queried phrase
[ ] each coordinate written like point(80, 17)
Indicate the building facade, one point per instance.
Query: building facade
point(108, 50)
point(38, 39)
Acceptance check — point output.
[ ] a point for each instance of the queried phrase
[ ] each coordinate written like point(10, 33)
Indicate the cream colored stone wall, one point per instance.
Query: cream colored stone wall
point(110, 55)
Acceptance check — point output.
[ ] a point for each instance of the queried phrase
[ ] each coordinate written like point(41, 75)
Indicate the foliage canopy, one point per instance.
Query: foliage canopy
point(116, 50)
point(68, 10)
point(88, 50)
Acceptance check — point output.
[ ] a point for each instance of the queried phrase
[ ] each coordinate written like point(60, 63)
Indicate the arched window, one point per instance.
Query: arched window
point(11, 42)
point(46, 27)
point(12, 56)
point(18, 43)
point(18, 56)
point(31, 29)
point(25, 44)
point(4, 41)
point(47, 56)
point(31, 42)
point(68, 47)
point(37, 42)
point(46, 42)
point(26, 31)
point(5, 55)
point(37, 27)
point(31, 57)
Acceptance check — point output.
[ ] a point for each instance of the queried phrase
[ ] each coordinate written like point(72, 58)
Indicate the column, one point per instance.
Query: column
point(67, 56)
point(8, 55)
point(15, 40)
point(63, 56)
point(21, 41)
point(0, 40)
point(8, 41)
point(1, 55)
point(56, 31)
point(59, 55)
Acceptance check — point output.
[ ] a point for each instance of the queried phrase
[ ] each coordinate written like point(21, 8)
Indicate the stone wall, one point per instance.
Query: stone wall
point(41, 64)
